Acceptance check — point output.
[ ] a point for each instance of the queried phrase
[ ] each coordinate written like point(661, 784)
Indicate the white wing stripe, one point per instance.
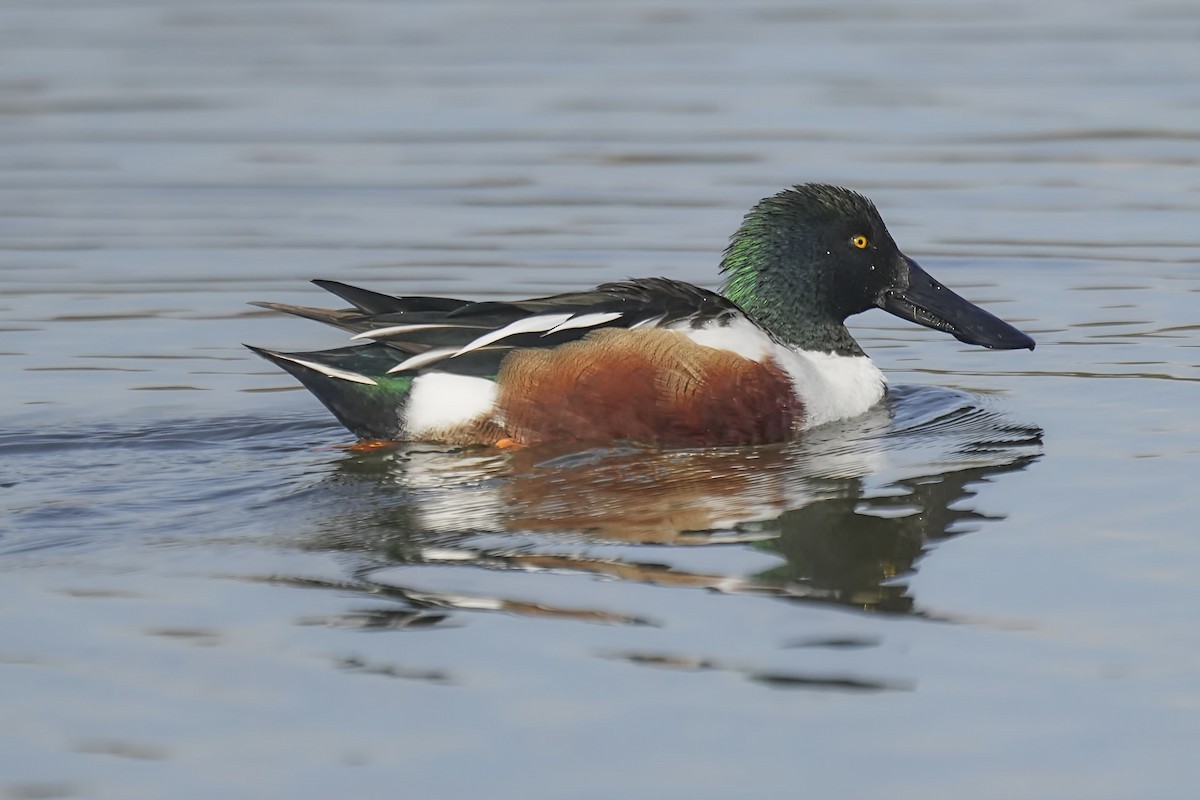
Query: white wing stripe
point(534, 324)
point(585, 321)
point(379, 333)
point(420, 360)
point(652, 322)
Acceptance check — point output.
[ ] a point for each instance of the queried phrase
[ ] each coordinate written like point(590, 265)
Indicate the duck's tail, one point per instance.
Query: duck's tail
point(354, 384)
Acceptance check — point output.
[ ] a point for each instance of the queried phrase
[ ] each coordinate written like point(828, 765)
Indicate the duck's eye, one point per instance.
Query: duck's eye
point(859, 241)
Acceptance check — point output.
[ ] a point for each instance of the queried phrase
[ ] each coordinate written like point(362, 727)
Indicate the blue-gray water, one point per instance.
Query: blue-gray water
point(986, 589)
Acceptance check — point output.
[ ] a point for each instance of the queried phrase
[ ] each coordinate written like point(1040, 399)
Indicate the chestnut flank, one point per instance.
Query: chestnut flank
point(649, 386)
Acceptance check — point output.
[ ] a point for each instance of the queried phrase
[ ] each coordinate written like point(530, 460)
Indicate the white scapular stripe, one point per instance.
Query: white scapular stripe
point(651, 322)
point(534, 324)
point(421, 359)
point(379, 333)
point(332, 372)
point(585, 321)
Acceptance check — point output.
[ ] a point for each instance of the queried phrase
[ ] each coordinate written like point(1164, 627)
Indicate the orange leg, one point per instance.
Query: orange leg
point(368, 445)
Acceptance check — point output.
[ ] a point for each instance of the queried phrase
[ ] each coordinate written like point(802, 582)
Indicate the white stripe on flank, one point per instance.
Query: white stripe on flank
point(421, 359)
point(440, 401)
point(332, 372)
point(379, 333)
point(585, 321)
point(534, 324)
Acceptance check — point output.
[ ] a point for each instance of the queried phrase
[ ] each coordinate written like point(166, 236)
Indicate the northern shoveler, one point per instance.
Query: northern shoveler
point(651, 361)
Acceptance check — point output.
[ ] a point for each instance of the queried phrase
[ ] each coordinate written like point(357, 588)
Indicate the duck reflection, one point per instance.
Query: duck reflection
point(844, 515)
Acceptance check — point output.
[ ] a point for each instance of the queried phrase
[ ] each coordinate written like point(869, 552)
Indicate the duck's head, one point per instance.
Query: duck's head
point(805, 259)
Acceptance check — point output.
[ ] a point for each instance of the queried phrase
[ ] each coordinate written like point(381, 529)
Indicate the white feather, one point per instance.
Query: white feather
point(421, 359)
point(379, 333)
point(585, 321)
point(651, 322)
point(534, 324)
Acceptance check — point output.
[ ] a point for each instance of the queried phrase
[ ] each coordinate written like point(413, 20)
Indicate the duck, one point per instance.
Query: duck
point(648, 361)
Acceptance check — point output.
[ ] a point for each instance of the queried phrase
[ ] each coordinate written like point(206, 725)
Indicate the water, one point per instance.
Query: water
point(983, 589)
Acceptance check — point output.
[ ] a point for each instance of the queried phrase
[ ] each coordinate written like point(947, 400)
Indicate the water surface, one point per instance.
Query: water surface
point(984, 588)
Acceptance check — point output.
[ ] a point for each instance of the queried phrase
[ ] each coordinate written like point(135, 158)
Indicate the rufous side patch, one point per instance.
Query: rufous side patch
point(650, 386)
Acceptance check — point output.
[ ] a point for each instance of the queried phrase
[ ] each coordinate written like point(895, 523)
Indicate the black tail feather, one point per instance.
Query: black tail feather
point(346, 319)
point(377, 303)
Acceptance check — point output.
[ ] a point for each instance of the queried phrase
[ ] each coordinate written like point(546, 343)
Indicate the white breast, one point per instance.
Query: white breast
point(831, 387)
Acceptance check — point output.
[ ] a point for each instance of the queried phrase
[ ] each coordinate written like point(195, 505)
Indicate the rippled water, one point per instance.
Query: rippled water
point(983, 589)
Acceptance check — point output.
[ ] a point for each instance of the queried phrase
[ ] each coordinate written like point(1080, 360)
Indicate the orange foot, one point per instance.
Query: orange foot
point(508, 444)
point(367, 445)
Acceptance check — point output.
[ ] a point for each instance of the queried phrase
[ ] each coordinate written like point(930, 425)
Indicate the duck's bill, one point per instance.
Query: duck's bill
point(927, 302)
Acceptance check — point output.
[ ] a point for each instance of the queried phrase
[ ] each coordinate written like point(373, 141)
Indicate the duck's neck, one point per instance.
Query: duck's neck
point(786, 302)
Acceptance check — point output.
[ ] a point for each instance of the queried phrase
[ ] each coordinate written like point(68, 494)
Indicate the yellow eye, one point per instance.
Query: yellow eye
point(859, 241)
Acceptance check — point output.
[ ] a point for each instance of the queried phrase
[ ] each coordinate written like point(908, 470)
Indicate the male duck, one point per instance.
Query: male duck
point(652, 361)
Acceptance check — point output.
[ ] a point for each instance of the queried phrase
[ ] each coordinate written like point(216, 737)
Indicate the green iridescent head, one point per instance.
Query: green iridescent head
point(810, 256)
